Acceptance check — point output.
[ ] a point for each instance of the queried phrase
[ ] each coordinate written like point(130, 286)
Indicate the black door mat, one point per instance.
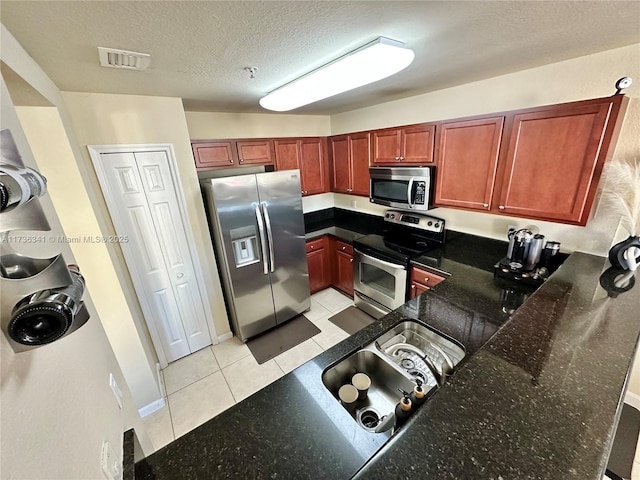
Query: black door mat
point(281, 338)
point(352, 320)
point(624, 444)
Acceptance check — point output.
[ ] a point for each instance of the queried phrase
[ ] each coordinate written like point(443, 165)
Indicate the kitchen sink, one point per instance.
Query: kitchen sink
point(394, 361)
point(420, 352)
point(383, 394)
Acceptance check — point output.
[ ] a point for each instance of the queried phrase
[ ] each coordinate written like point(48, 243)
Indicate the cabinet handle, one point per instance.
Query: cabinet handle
point(351, 259)
point(401, 159)
point(397, 158)
point(413, 287)
point(344, 248)
point(312, 247)
point(426, 279)
point(485, 205)
point(231, 160)
point(349, 190)
point(501, 207)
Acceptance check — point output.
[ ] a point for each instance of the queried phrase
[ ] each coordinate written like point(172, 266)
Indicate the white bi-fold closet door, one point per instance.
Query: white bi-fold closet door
point(145, 204)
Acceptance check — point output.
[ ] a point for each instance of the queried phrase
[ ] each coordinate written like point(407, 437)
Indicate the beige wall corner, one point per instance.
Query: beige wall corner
point(106, 119)
point(56, 399)
point(219, 125)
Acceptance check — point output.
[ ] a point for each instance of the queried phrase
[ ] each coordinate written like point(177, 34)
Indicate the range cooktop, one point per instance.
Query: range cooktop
point(405, 236)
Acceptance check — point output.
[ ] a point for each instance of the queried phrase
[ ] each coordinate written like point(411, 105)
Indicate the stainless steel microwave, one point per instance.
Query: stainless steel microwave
point(402, 187)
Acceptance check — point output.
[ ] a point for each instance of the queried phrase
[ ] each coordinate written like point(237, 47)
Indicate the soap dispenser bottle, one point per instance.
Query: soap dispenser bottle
point(403, 409)
point(418, 396)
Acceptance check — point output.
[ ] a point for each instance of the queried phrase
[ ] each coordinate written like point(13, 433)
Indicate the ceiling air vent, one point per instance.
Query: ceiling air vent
point(112, 57)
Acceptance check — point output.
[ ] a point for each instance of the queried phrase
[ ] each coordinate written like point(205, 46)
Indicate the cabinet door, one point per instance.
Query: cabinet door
point(416, 289)
point(359, 152)
point(385, 146)
point(255, 152)
point(551, 162)
point(313, 166)
point(344, 268)
point(425, 277)
point(287, 154)
point(214, 154)
point(340, 163)
point(417, 144)
point(467, 157)
point(318, 264)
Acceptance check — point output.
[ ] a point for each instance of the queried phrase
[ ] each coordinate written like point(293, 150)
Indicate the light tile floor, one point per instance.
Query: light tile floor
point(207, 382)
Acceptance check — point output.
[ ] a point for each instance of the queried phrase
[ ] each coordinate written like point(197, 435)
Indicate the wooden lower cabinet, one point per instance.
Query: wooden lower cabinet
point(343, 267)
point(319, 264)
point(422, 280)
point(330, 263)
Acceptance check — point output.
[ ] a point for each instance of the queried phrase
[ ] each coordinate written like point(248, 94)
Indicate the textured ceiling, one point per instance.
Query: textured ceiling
point(199, 49)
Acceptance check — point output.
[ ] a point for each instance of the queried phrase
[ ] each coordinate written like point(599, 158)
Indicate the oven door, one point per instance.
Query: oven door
point(383, 282)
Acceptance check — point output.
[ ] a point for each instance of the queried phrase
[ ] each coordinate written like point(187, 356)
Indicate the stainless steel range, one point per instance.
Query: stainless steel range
point(381, 262)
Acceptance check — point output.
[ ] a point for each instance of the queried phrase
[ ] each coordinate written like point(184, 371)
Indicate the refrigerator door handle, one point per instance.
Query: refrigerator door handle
point(267, 222)
point(263, 241)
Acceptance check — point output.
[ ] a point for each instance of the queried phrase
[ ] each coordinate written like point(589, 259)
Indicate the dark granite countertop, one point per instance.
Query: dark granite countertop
point(540, 399)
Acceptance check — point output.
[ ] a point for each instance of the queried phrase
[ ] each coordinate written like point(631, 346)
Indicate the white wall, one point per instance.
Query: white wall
point(56, 404)
point(209, 125)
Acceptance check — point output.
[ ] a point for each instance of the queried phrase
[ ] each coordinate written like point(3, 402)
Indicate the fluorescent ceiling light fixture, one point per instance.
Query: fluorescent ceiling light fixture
point(372, 62)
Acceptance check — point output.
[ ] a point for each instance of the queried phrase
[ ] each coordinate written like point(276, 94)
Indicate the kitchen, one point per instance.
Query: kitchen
point(155, 120)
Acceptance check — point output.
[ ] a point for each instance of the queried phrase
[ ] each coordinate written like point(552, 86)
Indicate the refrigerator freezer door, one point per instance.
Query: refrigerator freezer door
point(281, 204)
point(233, 207)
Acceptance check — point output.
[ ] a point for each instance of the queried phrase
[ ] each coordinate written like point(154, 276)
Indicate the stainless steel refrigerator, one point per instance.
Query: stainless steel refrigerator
point(258, 229)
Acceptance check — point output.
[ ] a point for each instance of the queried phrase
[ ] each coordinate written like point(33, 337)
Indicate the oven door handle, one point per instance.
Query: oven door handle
point(409, 190)
point(382, 262)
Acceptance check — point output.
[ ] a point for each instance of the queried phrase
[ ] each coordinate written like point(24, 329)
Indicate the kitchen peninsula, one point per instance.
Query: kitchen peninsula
point(539, 399)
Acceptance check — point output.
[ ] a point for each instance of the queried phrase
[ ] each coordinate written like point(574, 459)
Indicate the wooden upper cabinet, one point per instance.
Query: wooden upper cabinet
point(341, 168)
point(411, 144)
point(286, 153)
point(350, 163)
point(255, 152)
point(467, 160)
point(554, 158)
point(308, 155)
point(359, 152)
point(214, 154)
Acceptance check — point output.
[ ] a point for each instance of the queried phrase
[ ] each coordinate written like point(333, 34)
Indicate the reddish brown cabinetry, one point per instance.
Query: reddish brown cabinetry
point(232, 153)
point(422, 280)
point(255, 152)
point(412, 144)
point(318, 261)
point(308, 155)
point(350, 163)
point(343, 266)
point(467, 160)
point(554, 157)
point(214, 154)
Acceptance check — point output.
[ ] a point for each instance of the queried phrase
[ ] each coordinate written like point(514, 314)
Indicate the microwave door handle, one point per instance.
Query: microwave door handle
point(263, 241)
point(267, 222)
point(409, 190)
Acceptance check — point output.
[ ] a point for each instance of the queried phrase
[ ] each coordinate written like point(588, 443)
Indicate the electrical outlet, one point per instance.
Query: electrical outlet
point(115, 389)
point(109, 463)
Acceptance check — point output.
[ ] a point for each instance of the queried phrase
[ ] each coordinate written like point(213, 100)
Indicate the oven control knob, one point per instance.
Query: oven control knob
point(437, 225)
point(429, 223)
point(387, 215)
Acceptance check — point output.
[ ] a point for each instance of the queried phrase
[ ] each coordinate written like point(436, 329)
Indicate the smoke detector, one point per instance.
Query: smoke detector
point(114, 58)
